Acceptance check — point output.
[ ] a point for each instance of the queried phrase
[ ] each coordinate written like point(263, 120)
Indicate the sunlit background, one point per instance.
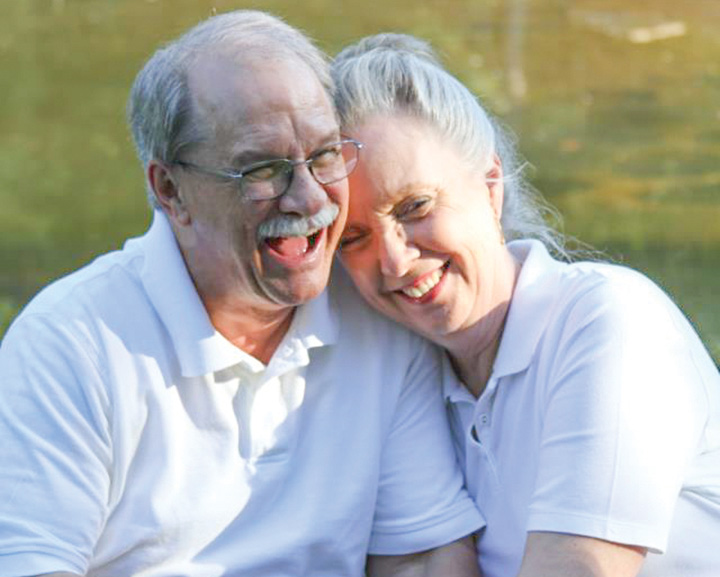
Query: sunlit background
point(616, 104)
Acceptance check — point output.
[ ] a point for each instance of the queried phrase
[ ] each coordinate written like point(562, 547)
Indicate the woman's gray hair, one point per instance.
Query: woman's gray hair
point(160, 108)
point(391, 74)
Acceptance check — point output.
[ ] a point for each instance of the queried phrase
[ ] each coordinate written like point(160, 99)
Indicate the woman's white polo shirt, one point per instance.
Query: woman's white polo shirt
point(601, 418)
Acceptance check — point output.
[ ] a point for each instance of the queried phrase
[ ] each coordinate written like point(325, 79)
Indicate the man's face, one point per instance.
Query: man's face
point(256, 111)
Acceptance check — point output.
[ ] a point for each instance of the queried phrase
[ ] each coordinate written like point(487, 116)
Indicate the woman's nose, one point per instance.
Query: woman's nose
point(396, 252)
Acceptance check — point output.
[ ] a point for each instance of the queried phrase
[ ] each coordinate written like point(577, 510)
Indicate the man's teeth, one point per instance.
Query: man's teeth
point(425, 286)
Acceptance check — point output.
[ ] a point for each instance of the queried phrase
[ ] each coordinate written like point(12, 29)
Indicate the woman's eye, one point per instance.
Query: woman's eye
point(414, 208)
point(349, 241)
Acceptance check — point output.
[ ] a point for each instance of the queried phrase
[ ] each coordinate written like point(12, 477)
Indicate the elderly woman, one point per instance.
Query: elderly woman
point(588, 418)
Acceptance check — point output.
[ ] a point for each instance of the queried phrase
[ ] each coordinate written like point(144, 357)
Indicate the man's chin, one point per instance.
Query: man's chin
point(298, 288)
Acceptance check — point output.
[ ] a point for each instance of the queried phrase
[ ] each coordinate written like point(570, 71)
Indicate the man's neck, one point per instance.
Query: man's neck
point(256, 332)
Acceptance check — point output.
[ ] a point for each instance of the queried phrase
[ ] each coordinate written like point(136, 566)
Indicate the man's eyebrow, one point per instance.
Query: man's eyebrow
point(250, 156)
point(333, 135)
point(246, 158)
point(329, 138)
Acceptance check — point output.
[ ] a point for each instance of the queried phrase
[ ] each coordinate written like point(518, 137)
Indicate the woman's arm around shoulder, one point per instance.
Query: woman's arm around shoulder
point(457, 559)
point(561, 555)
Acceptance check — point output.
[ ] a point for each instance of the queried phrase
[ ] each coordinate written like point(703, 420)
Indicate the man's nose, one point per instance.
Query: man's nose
point(396, 252)
point(305, 196)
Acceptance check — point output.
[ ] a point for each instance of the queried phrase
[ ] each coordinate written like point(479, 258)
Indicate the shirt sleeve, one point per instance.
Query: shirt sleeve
point(623, 413)
point(55, 450)
point(422, 503)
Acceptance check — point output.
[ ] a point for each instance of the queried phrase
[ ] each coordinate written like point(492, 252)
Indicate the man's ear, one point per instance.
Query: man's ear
point(494, 181)
point(167, 192)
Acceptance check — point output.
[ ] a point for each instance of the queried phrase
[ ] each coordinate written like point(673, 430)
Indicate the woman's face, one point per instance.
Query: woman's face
point(422, 241)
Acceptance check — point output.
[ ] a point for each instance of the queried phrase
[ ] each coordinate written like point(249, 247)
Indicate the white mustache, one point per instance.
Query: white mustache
point(285, 225)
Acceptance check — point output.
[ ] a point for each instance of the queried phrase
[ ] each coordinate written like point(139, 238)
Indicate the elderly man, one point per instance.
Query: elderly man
point(198, 404)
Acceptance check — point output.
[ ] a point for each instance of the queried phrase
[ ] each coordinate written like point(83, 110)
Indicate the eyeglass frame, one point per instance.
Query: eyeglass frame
point(237, 176)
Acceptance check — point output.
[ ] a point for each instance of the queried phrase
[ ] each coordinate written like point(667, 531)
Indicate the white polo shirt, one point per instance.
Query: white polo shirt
point(601, 418)
point(136, 440)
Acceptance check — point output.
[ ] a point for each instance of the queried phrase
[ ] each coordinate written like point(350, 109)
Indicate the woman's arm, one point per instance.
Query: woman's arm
point(560, 555)
point(458, 559)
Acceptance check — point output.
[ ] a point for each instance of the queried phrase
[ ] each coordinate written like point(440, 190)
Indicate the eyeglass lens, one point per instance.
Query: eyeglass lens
point(327, 166)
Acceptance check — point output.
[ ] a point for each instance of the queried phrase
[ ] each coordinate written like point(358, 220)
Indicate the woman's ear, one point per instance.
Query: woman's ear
point(167, 192)
point(495, 184)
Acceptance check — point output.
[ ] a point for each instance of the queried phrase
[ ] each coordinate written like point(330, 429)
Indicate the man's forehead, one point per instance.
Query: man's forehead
point(257, 103)
point(227, 78)
point(215, 73)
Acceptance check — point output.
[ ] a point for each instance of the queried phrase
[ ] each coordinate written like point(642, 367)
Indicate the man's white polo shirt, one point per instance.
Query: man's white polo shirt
point(601, 418)
point(136, 440)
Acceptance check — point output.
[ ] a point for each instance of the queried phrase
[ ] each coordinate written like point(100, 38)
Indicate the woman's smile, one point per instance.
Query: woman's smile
point(426, 287)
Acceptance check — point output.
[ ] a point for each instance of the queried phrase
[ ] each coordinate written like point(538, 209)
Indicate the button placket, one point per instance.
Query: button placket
point(482, 421)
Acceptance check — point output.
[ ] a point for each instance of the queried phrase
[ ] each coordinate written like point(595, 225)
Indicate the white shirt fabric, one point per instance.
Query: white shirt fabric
point(601, 418)
point(137, 441)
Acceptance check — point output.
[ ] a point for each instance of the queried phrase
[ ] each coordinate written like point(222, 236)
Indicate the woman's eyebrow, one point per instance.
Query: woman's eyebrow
point(415, 187)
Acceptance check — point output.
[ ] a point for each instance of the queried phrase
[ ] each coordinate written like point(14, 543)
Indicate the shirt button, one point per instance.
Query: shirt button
point(484, 419)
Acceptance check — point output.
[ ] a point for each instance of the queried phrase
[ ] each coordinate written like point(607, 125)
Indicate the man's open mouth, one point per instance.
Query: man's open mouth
point(294, 246)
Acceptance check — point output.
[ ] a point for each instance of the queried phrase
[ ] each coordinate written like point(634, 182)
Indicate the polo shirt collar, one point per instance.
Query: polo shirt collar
point(315, 324)
point(199, 347)
point(531, 306)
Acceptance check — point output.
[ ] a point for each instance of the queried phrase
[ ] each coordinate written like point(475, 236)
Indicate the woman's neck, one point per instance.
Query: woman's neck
point(473, 353)
point(473, 350)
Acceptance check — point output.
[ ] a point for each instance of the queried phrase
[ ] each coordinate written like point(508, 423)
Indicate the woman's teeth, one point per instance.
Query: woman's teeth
point(425, 286)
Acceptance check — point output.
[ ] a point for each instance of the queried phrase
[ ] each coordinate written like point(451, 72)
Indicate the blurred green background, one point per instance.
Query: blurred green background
point(616, 104)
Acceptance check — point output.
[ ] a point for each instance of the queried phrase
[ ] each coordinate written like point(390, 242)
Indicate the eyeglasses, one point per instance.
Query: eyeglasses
point(271, 178)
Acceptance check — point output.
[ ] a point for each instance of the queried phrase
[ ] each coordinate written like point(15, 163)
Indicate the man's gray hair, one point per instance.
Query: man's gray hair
point(391, 74)
point(160, 108)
